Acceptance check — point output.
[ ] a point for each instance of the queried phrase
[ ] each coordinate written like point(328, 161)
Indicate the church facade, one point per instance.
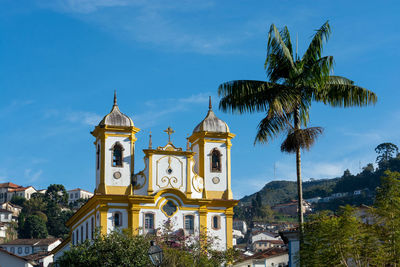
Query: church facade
point(191, 187)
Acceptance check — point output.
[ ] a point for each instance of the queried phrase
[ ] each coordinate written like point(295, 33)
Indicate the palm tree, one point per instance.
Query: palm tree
point(293, 84)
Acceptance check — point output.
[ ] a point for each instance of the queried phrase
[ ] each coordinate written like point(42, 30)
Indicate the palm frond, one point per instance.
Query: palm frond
point(279, 60)
point(271, 126)
point(300, 138)
point(341, 92)
point(314, 50)
point(248, 96)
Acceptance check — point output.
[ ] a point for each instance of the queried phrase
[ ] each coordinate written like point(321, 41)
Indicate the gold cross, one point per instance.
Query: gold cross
point(169, 131)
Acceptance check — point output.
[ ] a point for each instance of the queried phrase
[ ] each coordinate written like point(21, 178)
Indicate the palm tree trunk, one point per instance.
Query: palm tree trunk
point(297, 126)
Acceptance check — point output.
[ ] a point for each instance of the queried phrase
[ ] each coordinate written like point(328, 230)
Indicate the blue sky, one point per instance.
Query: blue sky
point(61, 60)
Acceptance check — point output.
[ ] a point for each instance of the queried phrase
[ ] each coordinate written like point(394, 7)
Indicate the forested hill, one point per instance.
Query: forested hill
point(277, 192)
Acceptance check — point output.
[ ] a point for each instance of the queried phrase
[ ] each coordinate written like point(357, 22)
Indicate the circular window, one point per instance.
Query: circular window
point(215, 180)
point(169, 208)
point(117, 175)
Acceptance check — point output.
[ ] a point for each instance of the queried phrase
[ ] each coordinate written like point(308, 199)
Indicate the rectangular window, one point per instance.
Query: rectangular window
point(73, 239)
point(77, 236)
point(81, 233)
point(189, 224)
point(76, 195)
point(26, 250)
point(149, 221)
point(87, 230)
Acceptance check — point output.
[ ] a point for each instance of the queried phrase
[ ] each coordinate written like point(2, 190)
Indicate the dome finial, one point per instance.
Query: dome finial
point(209, 103)
point(115, 98)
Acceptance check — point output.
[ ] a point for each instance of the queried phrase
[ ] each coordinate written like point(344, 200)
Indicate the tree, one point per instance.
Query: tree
point(18, 200)
point(57, 193)
point(34, 227)
point(386, 151)
point(294, 83)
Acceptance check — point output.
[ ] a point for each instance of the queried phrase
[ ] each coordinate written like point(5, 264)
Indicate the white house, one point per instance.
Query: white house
point(24, 247)
point(77, 193)
point(264, 235)
point(5, 216)
point(240, 225)
point(8, 190)
point(276, 257)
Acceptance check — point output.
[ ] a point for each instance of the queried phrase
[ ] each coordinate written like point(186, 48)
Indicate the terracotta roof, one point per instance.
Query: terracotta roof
point(9, 184)
point(20, 189)
point(33, 241)
point(37, 256)
point(270, 241)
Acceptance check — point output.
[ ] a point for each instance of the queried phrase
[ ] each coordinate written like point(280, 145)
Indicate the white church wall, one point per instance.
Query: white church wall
point(162, 179)
point(110, 223)
point(220, 234)
point(195, 149)
point(222, 176)
point(125, 169)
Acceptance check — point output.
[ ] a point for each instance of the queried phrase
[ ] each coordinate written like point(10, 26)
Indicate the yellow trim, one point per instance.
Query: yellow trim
point(133, 218)
point(188, 183)
point(203, 219)
point(118, 190)
point(102, 185)
point(103, 219)
point(229, 194)
point(150, 187)
point(149, 152)
point(229, 226)
point(215, 194)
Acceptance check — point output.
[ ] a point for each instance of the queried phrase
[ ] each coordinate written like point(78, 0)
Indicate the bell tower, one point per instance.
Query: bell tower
point(211, 140)
point(115, 150)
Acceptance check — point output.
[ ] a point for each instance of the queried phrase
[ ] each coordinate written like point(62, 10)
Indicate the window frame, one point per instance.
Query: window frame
point(120, 222)
point(218, 222)
point(188, 231)
point(215, 150)
point(149, 230)
point(117, 144)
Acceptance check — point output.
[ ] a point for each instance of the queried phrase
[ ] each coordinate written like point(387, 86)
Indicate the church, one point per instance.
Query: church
point(191, 187)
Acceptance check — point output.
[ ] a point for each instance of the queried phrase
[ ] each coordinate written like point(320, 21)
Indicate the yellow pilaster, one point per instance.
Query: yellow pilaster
point(103, 219)
point(203, 218)
point(228, 170)
point(133, 218)
point(150, 188)
point(229, 227)
point(188, 178)
point(102, 186)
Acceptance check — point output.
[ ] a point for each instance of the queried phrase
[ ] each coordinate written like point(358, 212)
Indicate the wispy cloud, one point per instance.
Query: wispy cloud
point(83, 117)
point(32, 175)
point(14, 106)
point(161, 108)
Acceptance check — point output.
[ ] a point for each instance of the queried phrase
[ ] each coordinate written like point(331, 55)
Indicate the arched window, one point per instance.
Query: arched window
point(189, 224)
point(117, 155)
point(215, 160)
point(117, 219)
point(98, 157)
point(216, 222)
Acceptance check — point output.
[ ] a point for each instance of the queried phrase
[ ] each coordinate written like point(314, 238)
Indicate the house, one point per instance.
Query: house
point(240, 225)
point(77, 193)
point(190, 186)
point(14, 208)
point(263, 235)
point(8, 190)
point(291, 208)
point(313, 200)
point(24, 247)
point(237, 237)
point(6, 216)
point(277, 257)
point(8, 259)
point(261, 245)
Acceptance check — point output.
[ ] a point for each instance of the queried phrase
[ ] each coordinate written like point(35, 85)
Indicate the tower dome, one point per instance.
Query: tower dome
point(211, 123)
point(116, 117)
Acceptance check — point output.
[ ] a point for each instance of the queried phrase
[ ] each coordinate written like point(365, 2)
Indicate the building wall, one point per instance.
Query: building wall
point(7, 260)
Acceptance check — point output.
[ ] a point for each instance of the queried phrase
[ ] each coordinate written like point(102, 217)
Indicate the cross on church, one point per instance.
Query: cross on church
point(169, 131)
